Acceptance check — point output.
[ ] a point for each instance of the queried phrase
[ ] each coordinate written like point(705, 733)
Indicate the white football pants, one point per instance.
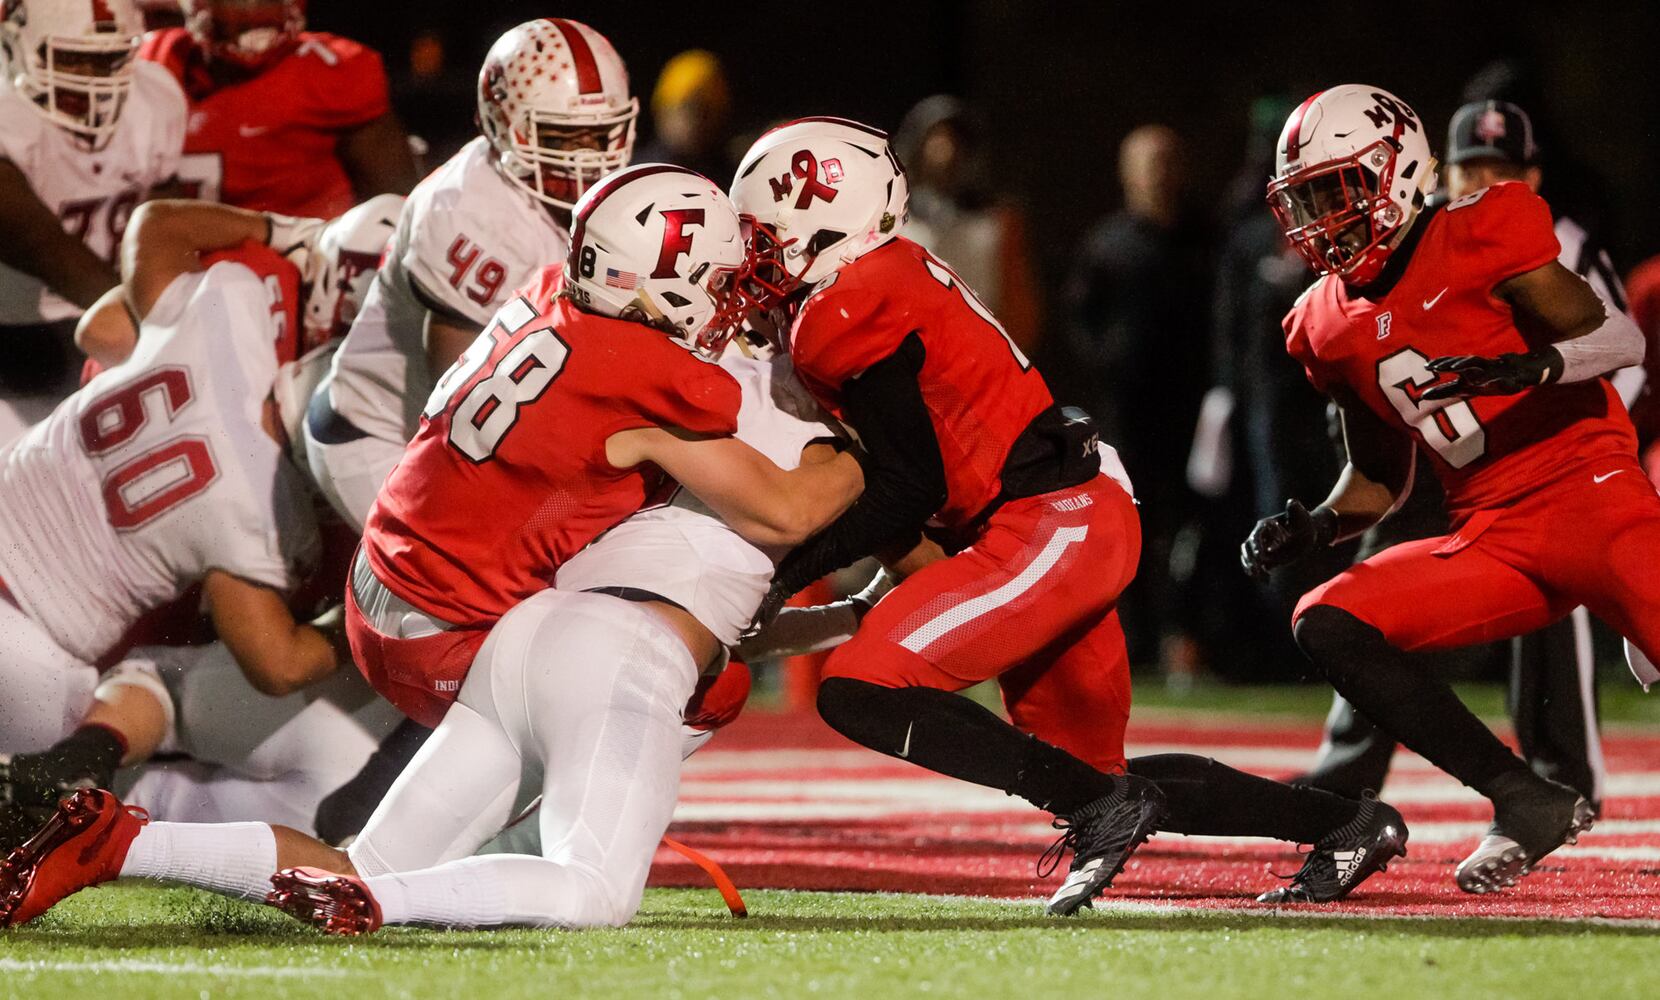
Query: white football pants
point(349, 474)
point(253, 757)
point(588, 691)
point(44, 690)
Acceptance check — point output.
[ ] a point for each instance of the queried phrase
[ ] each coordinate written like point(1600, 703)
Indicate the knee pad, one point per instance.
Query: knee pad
point(1329, 636)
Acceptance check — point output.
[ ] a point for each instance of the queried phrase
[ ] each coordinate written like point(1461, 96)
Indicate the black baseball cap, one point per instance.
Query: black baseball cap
point(1491, 129)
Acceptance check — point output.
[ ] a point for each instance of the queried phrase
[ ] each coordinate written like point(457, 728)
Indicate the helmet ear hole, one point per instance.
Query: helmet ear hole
point(823, 240)
point(676, 299)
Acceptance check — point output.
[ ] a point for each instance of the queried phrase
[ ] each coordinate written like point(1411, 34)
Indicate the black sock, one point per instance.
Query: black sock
point(86, 757)
point(1212, 799)
point(1393, 689)
point(346, 810)
point(951, 735)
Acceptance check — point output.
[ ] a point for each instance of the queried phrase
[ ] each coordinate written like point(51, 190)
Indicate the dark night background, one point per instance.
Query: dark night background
point(1061, 83)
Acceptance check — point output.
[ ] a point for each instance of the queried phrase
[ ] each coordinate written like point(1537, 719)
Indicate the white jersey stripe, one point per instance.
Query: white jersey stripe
point(954, 618)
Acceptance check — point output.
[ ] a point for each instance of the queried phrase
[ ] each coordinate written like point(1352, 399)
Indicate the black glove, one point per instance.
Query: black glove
point(1285, 538)
point(770, 606)
point(1504, 375)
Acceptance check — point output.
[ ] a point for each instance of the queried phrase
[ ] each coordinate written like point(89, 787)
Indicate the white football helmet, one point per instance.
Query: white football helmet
point(339, 270)
point(73, 60)
point(1352, 171)
point(818, 193)
point(553, 101)
point(659, 245)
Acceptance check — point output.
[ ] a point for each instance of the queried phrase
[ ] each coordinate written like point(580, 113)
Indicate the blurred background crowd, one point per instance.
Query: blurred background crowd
point(1095, 172)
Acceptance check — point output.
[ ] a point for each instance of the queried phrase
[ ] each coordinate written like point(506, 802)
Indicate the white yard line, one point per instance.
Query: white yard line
point(122, 965)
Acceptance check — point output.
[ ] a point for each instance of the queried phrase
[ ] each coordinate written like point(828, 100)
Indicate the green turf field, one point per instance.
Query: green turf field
point(132, 942)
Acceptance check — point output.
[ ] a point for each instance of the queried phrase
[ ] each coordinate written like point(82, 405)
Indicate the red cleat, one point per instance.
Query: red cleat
point(337, 904)
point(82, 845)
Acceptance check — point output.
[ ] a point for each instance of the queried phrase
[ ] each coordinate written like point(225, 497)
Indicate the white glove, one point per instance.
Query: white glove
point(294, 237)
point(799, 631)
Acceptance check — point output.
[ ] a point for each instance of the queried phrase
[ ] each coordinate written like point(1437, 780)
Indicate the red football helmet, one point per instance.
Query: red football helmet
point(246, 34)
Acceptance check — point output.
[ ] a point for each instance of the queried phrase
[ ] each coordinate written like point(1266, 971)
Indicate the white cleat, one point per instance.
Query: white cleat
point(1499, 862)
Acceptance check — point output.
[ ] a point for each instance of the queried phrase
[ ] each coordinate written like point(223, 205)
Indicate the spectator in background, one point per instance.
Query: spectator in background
point(691, 115)
point(1262, 432)
point(1137, 331)
point(955, 214)
point(281, 119)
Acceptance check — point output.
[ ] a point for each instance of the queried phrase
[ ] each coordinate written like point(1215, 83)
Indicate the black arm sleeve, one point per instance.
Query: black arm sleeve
point(904, 474)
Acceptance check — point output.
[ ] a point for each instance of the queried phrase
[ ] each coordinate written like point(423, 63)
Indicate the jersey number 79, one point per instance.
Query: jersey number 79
point(490, 407)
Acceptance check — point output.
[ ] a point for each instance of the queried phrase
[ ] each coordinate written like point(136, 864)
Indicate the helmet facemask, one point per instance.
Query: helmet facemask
point(557, 157)
point(81, 82)
point(247, 35)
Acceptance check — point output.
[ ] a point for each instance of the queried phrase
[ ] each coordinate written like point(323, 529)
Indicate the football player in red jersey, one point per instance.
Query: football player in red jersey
point(962, 434)
point(552, 428)
point(281, 119)
point(1456, 331)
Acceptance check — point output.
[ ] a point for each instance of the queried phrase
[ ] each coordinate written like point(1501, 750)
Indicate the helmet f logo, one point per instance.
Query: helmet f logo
point(676, 240)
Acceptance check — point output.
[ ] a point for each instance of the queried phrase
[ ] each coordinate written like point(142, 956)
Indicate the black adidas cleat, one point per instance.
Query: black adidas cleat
point(1347, 856)
point(1101, 836)
point(1525, 829)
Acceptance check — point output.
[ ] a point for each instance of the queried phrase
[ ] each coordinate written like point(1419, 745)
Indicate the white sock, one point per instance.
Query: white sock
point(456, 894)
point(236, 859)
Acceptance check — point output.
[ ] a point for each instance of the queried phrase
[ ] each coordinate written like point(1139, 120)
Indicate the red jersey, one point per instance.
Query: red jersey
point(980, 390)
point(1643, 289)
point(1488, 450)
point(267, 142)
point(507, 477)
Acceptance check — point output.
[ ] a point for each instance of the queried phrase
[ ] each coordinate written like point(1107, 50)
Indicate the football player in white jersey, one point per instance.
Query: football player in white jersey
point(581, 686)
point(555, 109)
point(85, 133)
point(166, 470)
point(214, 711)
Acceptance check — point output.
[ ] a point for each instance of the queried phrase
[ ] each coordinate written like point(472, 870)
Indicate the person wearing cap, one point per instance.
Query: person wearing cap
point(1552, 698)
point(691, 112)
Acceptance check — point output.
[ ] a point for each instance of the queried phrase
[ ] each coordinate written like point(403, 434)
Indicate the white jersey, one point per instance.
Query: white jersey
point(685, 553)
point(467, 239)
point(157, 471)
point(94, 193)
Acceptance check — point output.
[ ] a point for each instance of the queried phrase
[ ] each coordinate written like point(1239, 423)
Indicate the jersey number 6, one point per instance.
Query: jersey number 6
point(490, 408)
point(1450, 426)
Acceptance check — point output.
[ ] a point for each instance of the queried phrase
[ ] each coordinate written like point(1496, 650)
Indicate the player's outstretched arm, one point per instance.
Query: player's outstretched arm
point(756, 498)
point(166, 239)
point(36, 244)
point(378, 158)
point(1586, 340)
point(277, 654)
point(1374, 483)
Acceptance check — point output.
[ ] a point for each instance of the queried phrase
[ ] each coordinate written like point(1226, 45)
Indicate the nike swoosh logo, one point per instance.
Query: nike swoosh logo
point(905, 751)
point(253, 131)
point(1430, 303)
point(1595, 479)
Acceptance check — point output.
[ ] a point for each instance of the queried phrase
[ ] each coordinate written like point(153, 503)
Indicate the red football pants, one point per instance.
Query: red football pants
point(1031, 603)
point(420, 677)
point(1591, 538)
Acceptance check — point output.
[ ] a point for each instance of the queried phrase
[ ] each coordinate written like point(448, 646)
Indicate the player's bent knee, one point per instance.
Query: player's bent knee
point(1325, 633)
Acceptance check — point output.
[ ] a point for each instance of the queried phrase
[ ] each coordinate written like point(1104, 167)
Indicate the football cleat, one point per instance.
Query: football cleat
point(333, 903)
point(83, 844)
point(1501, 860)
point(1101, 836)
point(1347, 856)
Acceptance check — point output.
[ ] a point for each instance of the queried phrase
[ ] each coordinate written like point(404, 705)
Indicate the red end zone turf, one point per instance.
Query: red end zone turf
point(782, 802)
